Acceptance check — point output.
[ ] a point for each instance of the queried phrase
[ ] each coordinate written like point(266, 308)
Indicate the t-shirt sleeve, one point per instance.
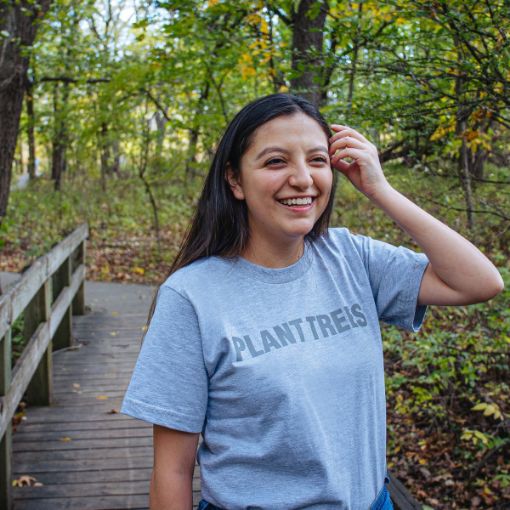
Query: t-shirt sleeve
point(169, 383)
point(395, 275)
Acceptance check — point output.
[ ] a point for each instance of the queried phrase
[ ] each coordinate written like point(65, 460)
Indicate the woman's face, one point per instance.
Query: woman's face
point(285, 178)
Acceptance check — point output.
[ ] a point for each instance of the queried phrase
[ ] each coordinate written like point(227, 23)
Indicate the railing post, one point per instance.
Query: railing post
point(6, 440)
point(79, 299)
point(39, 391)
point(62, 278)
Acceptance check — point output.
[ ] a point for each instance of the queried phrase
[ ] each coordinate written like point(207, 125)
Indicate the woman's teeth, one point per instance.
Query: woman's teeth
point(297, 201)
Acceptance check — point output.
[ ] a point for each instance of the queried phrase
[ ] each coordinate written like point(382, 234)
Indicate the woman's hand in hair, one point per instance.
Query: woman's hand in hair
point(353, 155)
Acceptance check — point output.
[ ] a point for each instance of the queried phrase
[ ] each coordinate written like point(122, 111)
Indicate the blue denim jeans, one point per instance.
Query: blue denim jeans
point(381, 502)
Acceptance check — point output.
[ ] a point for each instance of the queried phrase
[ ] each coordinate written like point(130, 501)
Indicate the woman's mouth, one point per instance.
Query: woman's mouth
point(303, 202)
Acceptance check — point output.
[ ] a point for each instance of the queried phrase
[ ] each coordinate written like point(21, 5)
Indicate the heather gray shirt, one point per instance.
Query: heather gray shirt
point(281, 370)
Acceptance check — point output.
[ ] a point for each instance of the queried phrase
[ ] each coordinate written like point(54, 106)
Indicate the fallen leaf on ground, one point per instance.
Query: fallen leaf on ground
point(26, 480)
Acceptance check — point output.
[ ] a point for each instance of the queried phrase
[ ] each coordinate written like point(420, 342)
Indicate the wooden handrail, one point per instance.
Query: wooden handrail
point(48, 294)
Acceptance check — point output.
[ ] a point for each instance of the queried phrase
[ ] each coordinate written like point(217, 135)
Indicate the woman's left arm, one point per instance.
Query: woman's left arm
point(458, 273)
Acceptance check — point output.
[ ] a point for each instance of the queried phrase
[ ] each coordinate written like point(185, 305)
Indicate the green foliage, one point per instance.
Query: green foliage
point(17, 338)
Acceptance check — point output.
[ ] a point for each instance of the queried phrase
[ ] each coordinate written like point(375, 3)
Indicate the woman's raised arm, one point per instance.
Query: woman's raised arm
point(458, 273)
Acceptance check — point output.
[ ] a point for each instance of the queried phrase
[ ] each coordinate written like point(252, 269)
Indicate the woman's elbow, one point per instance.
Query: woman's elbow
point(490, 288)
point(498, 285)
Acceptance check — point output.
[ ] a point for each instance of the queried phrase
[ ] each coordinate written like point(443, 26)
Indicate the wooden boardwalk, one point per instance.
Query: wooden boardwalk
point(85, 454)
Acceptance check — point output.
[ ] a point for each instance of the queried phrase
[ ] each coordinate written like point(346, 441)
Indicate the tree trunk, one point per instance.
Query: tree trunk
point(30, 131)
point(191, 158)
point(116, 157)
point(58, 161)
point(307, 49)
point(465, 177)
point(460, 128)
point(106, 169)
point(354, 61)
point(19, 20)
point(476, 163)
point(142, 168)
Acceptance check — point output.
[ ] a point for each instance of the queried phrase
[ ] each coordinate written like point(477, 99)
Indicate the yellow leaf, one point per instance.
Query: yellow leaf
point(263, 26)
point(113, 333)
point(481, 436)
point(65, 439)
point(102, 397)
point(138, 270)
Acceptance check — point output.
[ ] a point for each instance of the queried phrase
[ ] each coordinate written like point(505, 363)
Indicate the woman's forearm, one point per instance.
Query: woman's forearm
point(455, 261)
point(171, 491)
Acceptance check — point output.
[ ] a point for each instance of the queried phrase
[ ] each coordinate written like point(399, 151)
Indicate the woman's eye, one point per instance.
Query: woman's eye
point(275, 161)
point(321, 159)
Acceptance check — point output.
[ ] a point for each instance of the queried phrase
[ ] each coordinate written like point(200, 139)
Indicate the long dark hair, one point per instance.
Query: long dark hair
point(220, 223)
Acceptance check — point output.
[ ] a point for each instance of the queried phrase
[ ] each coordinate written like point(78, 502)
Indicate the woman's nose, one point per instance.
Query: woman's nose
point(301, 176)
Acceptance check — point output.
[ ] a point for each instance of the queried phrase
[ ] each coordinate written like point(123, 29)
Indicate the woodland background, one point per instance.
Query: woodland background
point(110, 112)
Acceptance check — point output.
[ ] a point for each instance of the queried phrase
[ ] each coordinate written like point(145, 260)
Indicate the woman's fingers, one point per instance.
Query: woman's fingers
point(348, 152)
point(346, 142)
point(343, 131)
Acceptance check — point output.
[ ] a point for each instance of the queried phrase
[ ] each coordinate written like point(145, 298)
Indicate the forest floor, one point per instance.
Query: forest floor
point(447, 386)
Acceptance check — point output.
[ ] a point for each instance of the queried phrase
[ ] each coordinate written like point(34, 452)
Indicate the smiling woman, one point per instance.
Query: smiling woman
point(265, 337)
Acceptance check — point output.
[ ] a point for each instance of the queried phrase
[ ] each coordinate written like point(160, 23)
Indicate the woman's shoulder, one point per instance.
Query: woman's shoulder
point(340, 237)
point(198, 274)
point(340, 242)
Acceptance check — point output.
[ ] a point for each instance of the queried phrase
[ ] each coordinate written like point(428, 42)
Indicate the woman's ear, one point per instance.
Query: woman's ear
point(234, 183)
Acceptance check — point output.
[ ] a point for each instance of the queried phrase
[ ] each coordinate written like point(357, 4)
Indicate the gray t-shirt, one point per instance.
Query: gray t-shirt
point(281, 370)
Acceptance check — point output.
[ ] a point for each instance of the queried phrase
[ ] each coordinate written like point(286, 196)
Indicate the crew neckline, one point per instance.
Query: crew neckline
point(279, 274)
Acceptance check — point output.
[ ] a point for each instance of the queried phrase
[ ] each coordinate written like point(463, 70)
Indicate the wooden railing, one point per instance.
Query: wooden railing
point(48, 294)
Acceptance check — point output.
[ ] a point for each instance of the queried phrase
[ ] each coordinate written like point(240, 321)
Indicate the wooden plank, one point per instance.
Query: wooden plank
point(80, 465)
point(24, 438)
point(402, 499)
point(89, 389)
point(122, 452)
point(130, 502)
point(72, 490)
point(40, 386)
point(98, 413)
point(6, 471)
point(62, 278)
point(75, 443)
point(103, 475)
point(78, 258)
point(57, 427)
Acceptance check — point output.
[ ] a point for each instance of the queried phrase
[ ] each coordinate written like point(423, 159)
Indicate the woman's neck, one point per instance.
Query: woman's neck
point(274, 255)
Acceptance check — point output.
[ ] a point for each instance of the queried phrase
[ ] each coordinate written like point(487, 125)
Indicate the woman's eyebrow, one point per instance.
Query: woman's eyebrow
point(271, 149)
point(320, 148)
